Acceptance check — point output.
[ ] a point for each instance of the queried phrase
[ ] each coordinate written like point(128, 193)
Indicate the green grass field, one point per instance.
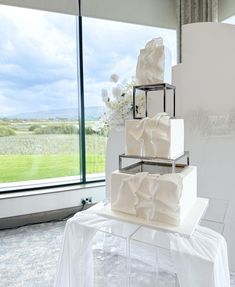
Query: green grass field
point(29, 167)
point(27, 156)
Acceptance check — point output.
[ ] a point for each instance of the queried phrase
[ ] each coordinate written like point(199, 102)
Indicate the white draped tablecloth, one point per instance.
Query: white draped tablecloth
point(200, 261)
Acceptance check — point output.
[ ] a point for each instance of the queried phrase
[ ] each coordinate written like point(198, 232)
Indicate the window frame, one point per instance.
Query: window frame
point(14, 187)
point(32, 185)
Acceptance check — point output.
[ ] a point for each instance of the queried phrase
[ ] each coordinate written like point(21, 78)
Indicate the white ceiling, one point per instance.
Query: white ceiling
point(160, 13)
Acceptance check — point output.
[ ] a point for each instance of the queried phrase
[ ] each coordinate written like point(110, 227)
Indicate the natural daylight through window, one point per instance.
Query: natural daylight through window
point(39, 99)
point(39, 126)
point(110, 47)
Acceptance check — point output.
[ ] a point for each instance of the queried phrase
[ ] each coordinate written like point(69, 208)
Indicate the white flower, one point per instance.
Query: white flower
point(114, 78)
point(119, 105)
point(117, 91)
point(105, 95)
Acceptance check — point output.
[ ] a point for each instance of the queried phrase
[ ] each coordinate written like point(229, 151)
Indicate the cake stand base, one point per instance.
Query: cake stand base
point(186, 228)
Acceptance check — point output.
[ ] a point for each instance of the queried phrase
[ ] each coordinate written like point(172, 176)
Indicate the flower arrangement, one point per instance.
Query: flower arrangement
point(119, 104)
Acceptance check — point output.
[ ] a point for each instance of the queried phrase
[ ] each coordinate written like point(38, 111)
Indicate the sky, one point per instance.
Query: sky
point(113, 47)
point(38, 67)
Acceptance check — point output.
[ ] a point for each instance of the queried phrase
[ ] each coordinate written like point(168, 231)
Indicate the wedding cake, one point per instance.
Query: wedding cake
point(153, 195)
point(159, 136)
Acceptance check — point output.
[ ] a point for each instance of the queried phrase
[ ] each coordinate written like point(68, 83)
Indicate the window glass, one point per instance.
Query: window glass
point(110, 47)
point(38, 96)
point(39, 107)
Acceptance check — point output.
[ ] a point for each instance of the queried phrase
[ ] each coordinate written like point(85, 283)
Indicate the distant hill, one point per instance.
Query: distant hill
point(91, 114)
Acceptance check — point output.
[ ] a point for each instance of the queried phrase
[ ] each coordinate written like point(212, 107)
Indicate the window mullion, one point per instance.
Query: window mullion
point(81, 96)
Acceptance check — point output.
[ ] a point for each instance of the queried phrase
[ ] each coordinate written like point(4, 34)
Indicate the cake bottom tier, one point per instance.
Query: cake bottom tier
point(166, 198)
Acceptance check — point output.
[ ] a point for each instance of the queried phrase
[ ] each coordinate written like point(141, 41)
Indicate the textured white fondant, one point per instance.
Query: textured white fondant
point(154, 63)
point(160, 136)
point(166, 198)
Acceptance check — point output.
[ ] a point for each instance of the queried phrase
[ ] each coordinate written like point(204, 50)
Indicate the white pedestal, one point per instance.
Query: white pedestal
point(205, 99)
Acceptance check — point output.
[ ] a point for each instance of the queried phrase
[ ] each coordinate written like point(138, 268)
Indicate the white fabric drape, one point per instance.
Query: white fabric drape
point(76, 265)
point(76, 261)
point(201, 261)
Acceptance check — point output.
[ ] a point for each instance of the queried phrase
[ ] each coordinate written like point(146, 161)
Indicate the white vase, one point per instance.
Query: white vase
point(115, 146)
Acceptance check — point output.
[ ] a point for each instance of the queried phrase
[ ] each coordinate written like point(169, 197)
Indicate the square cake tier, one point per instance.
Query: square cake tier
point(155, 137)
point(166, 198)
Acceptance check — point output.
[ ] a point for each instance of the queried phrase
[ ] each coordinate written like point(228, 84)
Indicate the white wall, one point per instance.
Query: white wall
point(159, 13)
point(226, 9)
point(32, 202)
point(205, 98)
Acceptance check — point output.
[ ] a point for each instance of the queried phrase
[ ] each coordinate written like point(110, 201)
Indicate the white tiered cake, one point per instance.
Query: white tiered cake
point(152, 196)
point(160, 136)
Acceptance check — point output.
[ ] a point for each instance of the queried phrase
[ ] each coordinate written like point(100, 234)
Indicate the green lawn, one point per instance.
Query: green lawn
point(29, 156)
point(29, 167)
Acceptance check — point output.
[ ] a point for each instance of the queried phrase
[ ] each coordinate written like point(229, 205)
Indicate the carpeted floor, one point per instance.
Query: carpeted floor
point(29, 255)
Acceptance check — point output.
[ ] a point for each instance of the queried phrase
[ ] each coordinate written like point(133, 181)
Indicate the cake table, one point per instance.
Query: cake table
point(103, 252)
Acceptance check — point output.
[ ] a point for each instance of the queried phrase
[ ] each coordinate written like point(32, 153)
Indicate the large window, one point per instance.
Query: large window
point(110, 48)
point(40, 126)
